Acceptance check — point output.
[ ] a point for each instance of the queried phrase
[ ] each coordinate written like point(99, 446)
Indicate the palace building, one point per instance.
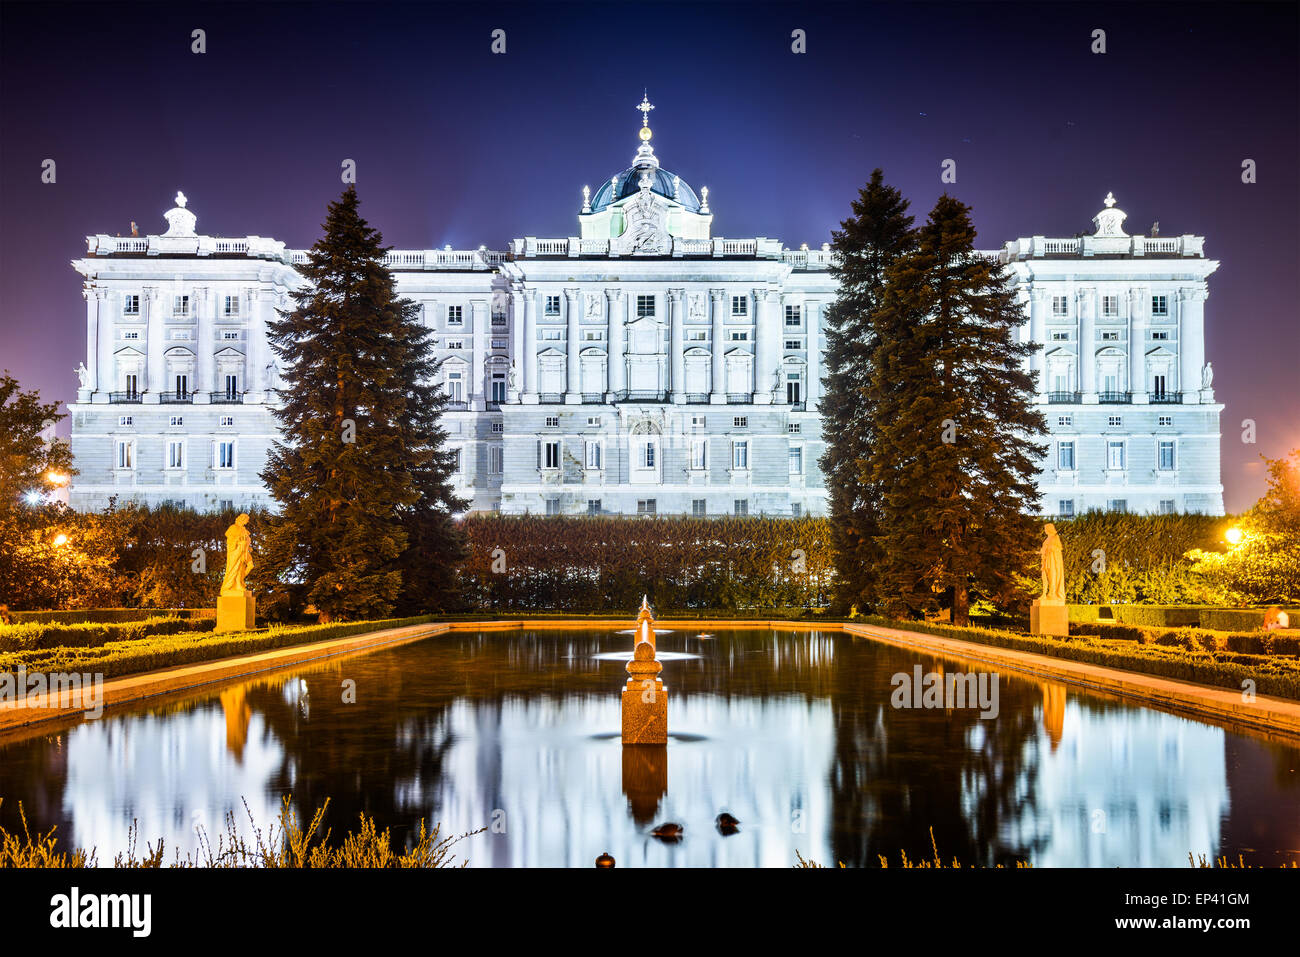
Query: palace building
point(642, 366)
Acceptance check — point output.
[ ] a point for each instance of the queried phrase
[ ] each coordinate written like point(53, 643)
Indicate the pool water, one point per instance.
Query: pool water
point(793, 733)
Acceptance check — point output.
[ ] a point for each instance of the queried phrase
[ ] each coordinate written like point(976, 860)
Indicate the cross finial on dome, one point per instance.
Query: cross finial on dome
point(645, 107)
point(1109, 200)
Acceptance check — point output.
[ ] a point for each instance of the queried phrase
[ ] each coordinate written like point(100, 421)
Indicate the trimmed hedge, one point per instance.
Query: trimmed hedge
point(1240, 619)
point(1272, 676)
point(117, 658)
point(34, 635)
point(103, 615)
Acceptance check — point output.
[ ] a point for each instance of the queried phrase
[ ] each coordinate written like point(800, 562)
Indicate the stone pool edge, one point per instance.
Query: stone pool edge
point(1266, 713)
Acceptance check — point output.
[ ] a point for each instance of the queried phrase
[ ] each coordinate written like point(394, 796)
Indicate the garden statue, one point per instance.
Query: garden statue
point(1048, 614)
point(235, 609)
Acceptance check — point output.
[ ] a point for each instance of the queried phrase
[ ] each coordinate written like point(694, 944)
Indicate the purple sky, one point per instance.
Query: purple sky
point(456, 145)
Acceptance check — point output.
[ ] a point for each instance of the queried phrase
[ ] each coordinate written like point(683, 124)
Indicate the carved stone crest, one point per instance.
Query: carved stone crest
point(646, 232)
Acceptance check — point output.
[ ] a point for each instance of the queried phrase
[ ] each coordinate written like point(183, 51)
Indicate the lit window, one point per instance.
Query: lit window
point(225, 455)
point(175, 454)
point(740, 454)
point(796, 461)
point(126, 454)
point(551, 455)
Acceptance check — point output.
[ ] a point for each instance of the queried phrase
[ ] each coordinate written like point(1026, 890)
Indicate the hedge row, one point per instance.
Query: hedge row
point(34, 635)
point(117, 658)
point(605, 564)
point(1176, 616)
point(1253, 643)
point(100, 615)
point(1272, 676)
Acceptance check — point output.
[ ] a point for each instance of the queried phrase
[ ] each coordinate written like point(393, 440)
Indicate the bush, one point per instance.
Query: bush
point(99, 615)
point(37, 635)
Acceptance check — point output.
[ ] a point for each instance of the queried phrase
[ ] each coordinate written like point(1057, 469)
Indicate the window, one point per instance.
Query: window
point(175, 454)
point(796, 510)
point(740, 454)
point(180, 305)
point(225, 455)
point(594, 335)
point(1110, 306)
point(551, 455)
point(1065, 456)
point(740, 422)
point(1159, 305)
point(1158, 385)
point(646, 459)
point(552, 421)
point(1064, 420)
point(697, 335)
point(1115, 455)
point(645, 506)
point(699, 507)
point(226, 505)
point(182, 386)
point(552, 506)
point(553, 305)
point(230, 336)
point(227, 421)
point(793, 389)
point(1060, 337)
point(1065, 508)
point(792, 317)
point(1117, 505)
point(455, 387)
point(126, 454)
point(232, 386)
point(455, 343)
point(796, 460)
point(125, 421)
point(496, 459)
point(1160, 335)
point(740, 305)
point(456, 315)
point(131, 305)
point(457, 460)
point(645, 306)
point(593, 455)
point(131, 382)
point(230, 306)
point(593, 421)
point(741, 506)
point(498, 388)
point(699, 454)
point(1060, 306)
point(498, 428)
point(552, 335)
point(1168, 506)
point(1115, 420)
point(739, 336)
point(1111, 336)
point(794, 428)
point(131, 334)
point(176, 420)
point(499, 344)
point(593, 506)
point(1165, 420)
point(698, 421)
point(1165, 459)
point(793, 345)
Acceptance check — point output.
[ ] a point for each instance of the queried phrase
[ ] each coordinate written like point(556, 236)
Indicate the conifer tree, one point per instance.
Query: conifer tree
point(953, 451)
point(361, 475)
point(865, 246)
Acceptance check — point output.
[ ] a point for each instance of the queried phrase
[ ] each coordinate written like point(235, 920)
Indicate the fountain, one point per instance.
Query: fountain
point(645, 699)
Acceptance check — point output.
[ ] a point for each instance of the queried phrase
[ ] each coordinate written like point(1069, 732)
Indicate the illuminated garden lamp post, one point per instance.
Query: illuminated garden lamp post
point(1233, 536)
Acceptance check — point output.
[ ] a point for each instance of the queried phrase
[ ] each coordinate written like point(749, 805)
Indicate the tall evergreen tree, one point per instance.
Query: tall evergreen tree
point(953, 449)
point(361, 476)
point(864, 247)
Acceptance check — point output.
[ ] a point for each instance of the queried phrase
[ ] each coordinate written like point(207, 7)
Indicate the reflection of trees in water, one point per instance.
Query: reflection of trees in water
point(899, 772)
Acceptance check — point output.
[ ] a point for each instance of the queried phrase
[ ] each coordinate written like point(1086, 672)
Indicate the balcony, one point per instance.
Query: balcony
point(1063, 398)
point(697, 398)
point(740, 398)
point(642, 395)
point(1165, 398)
point(550, 398)
point(226, 398)
point(131, 397)
point(593, 398)
point(176, 398)
point(493, 405)
point(1114, 398)
point(797, 406)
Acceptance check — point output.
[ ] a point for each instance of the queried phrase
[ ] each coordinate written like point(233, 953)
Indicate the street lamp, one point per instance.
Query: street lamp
point(1233, 536)
point(60, 539)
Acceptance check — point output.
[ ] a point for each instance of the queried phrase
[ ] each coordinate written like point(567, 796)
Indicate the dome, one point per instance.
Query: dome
point(628, 183)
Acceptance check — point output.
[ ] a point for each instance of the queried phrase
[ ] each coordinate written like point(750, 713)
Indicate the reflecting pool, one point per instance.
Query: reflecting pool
point(793, 733)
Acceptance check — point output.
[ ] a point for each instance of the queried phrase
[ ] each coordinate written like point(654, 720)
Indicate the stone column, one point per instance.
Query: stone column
point(1191, 341)
point(676, 347)
point(765, 353)
point(262, 301)
point(1038, 306)
point(514, 382)
point(94, 306)
point(717, 303)
point(812, 317)
point(479, 317)
point(107, 311)
point(154, 310)
point(1137, 336)
point(530, 347)
point(616, 362)
point(572, 345)
point(204, 347)
point(1087, 301)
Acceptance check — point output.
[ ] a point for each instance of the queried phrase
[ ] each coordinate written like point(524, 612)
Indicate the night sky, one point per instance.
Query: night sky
point(456, 145)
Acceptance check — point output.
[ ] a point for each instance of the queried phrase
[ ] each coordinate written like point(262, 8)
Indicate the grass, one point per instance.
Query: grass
point(285, 844)
point(130, 656)
point(1271, 674)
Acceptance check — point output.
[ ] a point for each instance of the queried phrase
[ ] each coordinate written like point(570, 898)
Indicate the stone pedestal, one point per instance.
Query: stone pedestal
point(235, 613)
point(645, 699)
point(1048, 619)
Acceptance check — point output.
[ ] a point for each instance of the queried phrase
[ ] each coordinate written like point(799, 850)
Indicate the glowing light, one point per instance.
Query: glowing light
point(60, 539)
point(33, 498)
point(1234, 536)
point(57, 478)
